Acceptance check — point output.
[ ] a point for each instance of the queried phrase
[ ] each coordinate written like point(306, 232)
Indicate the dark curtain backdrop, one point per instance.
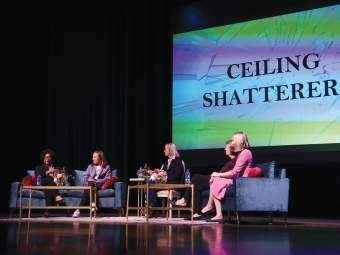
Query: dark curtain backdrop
point(84, 77)
point(109, 85)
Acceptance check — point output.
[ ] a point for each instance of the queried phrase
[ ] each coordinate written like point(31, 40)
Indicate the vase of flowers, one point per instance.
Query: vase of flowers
point(60, 177)
point(145, 172)
point(159, 176)
point(154, 176)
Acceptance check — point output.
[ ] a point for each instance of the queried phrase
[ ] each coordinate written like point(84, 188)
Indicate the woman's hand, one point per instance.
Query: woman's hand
point(93, 180)
point(215, 174)
point(51, 170)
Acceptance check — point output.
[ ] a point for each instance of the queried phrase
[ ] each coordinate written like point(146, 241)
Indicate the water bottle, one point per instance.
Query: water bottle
point(39, 180)
point(140, 172)
point(187, 177)
point(85, 181)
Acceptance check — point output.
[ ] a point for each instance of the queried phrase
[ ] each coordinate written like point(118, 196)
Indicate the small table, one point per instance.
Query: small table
point(168, 187)
point(31, 188)
point(139, 181)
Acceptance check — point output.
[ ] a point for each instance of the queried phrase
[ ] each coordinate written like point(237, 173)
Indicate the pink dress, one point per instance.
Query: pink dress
point(244, 163)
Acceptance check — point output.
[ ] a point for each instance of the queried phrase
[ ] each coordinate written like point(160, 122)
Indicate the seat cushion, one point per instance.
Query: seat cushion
point(74, 193)
point(106, 193)
point(173, 193)
point(35, 193)
point(269, 169)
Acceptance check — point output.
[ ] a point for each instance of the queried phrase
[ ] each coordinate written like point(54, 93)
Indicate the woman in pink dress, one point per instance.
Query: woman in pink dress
point(220, 182)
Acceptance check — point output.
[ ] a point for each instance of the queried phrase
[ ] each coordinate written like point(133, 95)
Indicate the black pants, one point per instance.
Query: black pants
point(201, 183)
point(50, 195)
point(85, 199)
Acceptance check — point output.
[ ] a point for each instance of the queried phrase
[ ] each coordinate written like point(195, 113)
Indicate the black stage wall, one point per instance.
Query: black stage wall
point(97, 76)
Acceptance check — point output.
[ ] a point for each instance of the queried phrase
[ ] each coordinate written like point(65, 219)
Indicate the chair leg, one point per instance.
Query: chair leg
point(120, 211)
point(163, 206)
point(270, 218)
point(238, 217)
point(285, 218)
point(11, 211)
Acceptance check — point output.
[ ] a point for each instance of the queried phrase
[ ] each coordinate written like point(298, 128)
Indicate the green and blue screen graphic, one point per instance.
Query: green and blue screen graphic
point(275, 78)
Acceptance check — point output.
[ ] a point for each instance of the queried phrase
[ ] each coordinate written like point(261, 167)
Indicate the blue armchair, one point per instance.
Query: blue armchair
point(250, 194)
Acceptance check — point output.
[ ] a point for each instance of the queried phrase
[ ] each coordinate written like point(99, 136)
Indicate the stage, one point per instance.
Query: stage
point(111, 234)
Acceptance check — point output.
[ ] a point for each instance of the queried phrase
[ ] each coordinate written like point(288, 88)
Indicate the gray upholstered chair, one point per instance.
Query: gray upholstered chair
point(257, 194)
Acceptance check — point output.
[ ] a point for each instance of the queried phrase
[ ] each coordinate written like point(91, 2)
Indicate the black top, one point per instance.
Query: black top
point(175, 170)
point(41, 169)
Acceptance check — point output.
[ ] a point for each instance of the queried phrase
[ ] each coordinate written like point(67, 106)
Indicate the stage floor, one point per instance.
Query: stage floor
point(111, 234)
point(254, 219)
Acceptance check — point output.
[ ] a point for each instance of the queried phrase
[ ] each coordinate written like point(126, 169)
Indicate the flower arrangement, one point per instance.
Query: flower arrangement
point(156, 175)
point(146, 171)
point(60, 177)
point(159, 176)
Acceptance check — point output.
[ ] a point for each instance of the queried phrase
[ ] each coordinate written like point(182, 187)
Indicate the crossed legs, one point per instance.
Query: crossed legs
point(201, 183)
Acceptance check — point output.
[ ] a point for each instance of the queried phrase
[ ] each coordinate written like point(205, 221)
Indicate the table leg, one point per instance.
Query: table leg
point(192, 204)
point(127, 206)
point(147, 202)
point(95, 201)
point(91, 202)
point(20, 205)
point(30, 204)
point(140, 201)
point(170, 211)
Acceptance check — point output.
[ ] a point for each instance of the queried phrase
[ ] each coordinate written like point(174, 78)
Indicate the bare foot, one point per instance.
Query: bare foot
point(197, 215)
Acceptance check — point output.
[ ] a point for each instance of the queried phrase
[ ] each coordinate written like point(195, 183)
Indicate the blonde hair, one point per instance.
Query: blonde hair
point(240, 141)
point(172, 149)
point(231, 147)
point(102, 159)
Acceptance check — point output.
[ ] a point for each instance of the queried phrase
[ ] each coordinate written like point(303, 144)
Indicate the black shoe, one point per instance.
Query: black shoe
point(217, 220)
point(195, 218)
point(61, 202)
point(46, 214)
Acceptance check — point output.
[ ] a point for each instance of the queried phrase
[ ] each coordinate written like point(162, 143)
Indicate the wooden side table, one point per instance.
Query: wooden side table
point(168, 187)
point(31, 188)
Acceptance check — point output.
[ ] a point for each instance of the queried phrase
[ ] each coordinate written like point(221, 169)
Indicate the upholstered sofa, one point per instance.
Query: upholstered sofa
point(269, 193)
point(113, 196)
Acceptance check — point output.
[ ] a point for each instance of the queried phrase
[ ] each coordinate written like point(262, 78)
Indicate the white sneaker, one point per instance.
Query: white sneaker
point(76, 214)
